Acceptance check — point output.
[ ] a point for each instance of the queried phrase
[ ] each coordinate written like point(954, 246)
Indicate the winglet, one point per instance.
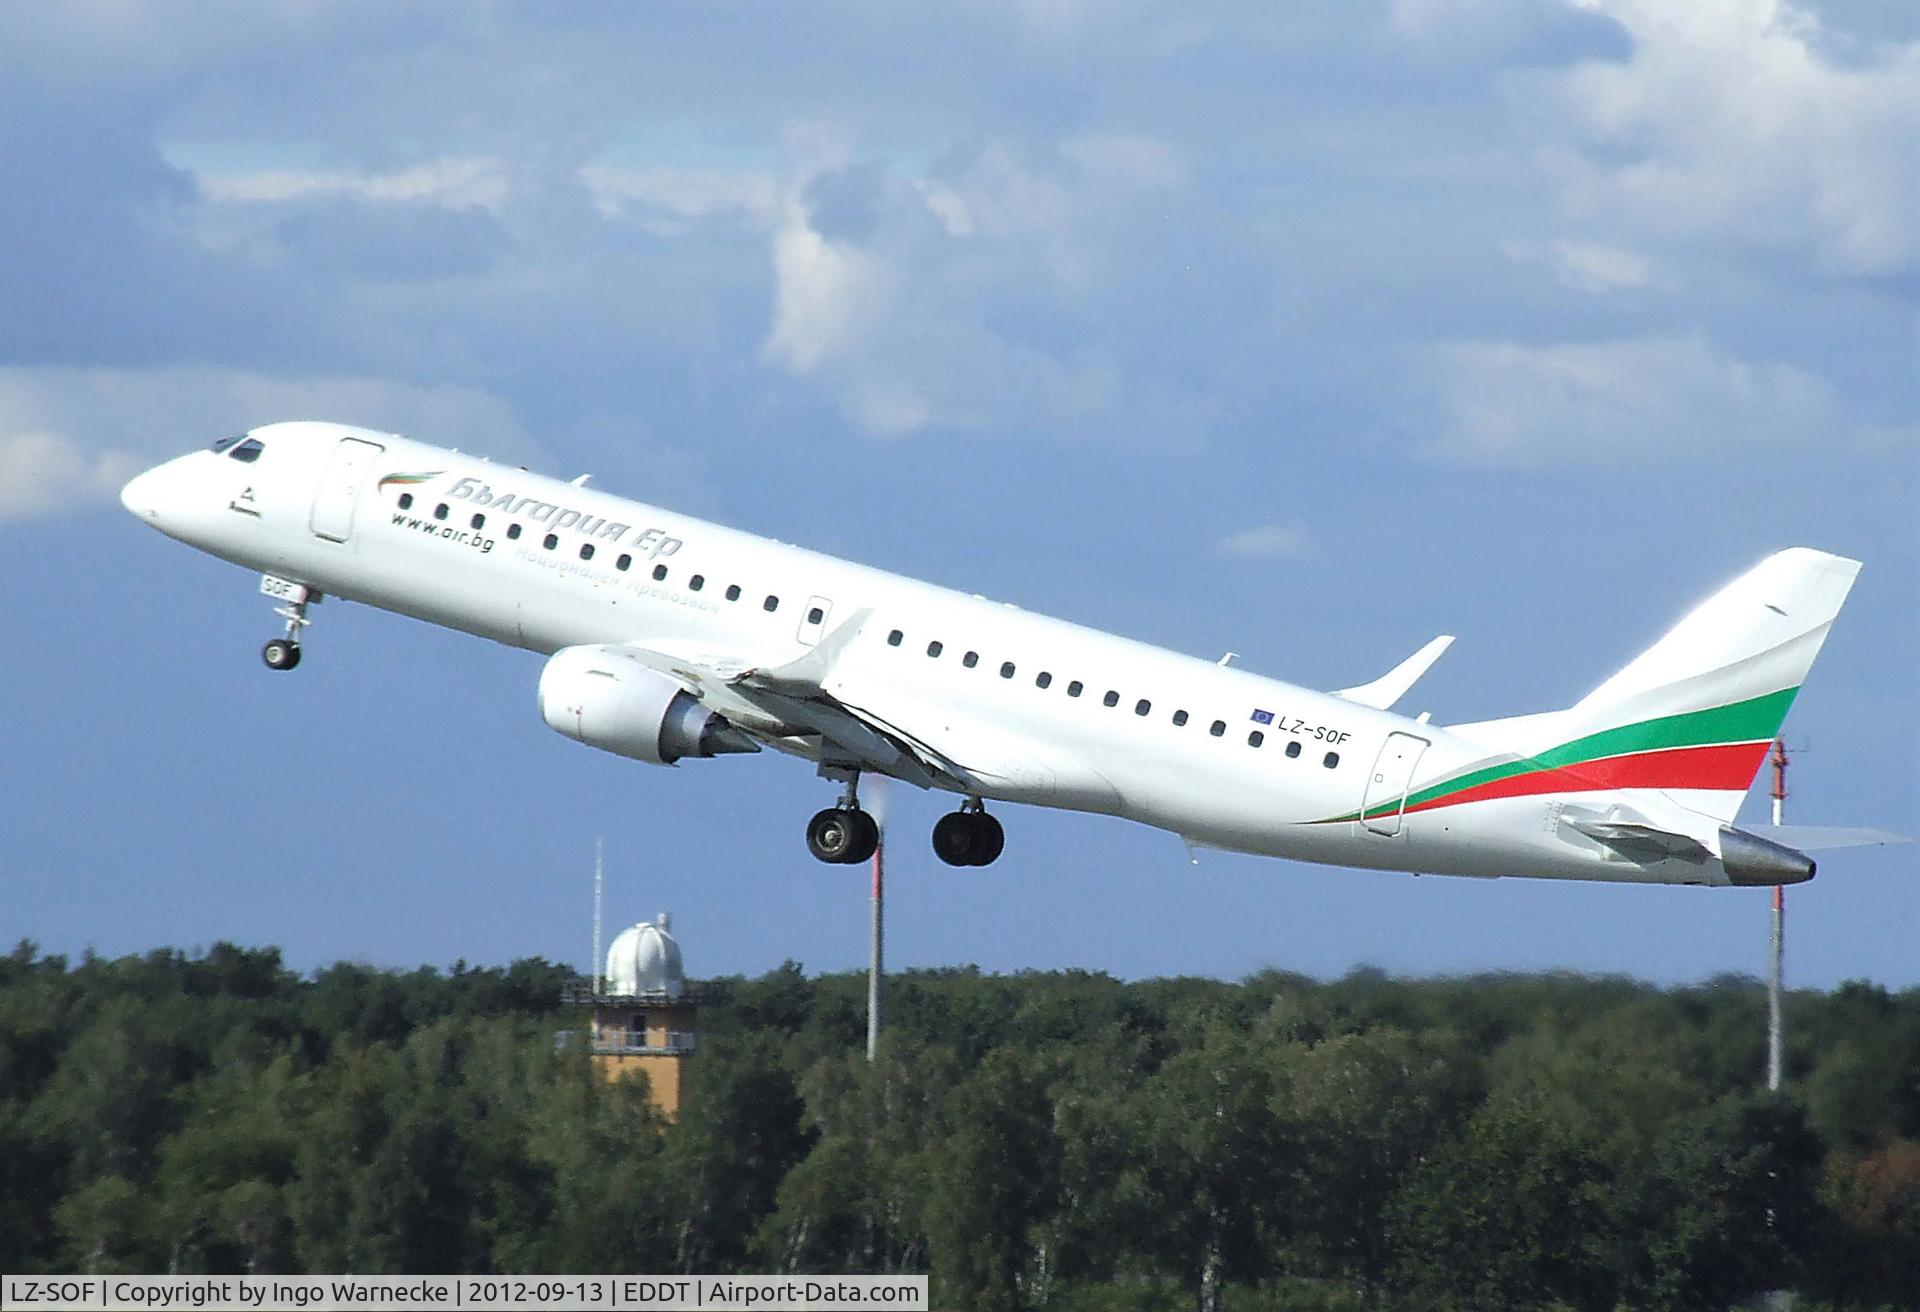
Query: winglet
point(808, 674)
point(1390, 687)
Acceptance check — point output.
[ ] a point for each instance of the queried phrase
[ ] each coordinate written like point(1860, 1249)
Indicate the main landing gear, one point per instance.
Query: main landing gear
point(969, 836)
point(843, 834)
point(283, 653)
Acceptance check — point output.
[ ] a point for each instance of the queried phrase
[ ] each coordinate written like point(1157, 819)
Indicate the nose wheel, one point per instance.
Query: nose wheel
point(281, 654)
point(968, 837)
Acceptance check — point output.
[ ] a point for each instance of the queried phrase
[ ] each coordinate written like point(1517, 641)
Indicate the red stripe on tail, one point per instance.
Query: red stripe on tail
point(1724, 767)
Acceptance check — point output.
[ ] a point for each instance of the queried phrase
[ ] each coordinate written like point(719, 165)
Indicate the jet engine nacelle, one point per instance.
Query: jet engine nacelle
point(603, 697)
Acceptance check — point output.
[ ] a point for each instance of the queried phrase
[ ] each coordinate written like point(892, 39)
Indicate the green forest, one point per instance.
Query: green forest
point(1057, 1140)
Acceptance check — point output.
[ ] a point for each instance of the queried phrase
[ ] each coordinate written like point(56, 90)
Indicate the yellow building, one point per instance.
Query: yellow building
point(643, 1017)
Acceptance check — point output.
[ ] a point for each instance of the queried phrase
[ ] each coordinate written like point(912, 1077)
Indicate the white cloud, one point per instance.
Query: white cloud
point(44, 472)
point(1731, 123)
point(683, 194)
point(886, 285)
point(828, 295)
point(1639, 401)
point(1263, 540)
point(1126, 160)
point(890, 410)
point(1599, 269)
point(69, 436)
point(451, 183)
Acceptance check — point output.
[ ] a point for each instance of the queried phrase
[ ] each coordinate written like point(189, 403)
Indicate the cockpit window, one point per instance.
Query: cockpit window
point(248, 451)
point(226, 442)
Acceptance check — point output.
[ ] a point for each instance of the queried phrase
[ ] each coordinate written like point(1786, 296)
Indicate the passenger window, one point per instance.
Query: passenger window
point(586, 551)
point(1255, 738)
point(771, 604)
point(551, 541)
point(440, 511)
point(697, 582)
point(624, 562)
point(1217, 728)
point(1142, 706)
point(1075, 688)
point(478, 522)
point(659, 573)
point(1043, 680)
point(513, 530)
point(1111, 699)
point(1006, 669)
point(247, 452)
point(1179, 717)
point(733, 592)
point(935, 648)
point(971, 659)
point(894, 639)
point(815, 615)
point(1332, 759)
point(1293, 748)
point(406, 501)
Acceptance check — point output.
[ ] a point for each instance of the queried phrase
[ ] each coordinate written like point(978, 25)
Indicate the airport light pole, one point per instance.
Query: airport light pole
point(1776, 1041)
point(876, 954)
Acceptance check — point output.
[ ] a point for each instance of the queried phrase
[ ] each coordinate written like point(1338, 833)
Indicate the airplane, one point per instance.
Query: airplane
point(670, 639)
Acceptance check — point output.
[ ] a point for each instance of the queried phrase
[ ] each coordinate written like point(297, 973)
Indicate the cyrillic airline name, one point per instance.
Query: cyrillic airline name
point(653, 542)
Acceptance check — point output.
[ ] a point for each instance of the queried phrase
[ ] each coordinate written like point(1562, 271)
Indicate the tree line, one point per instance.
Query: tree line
point(1044, 1140)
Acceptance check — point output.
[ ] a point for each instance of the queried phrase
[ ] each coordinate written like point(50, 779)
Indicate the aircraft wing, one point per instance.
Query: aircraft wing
point(792, 707)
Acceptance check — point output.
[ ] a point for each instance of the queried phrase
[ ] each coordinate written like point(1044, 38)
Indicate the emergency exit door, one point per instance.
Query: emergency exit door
point(1388, 781)
point(338, 491)
point(813, 621)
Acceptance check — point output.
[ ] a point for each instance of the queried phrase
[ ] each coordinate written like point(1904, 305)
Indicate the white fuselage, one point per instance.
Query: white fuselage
point(1040, 710)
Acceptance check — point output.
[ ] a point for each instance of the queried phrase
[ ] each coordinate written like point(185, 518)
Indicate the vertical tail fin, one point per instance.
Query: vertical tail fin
point(1694, 713)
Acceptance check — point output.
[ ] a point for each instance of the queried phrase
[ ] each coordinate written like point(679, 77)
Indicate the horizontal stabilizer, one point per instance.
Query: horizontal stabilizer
point(1390, 687)
point(1818, 838)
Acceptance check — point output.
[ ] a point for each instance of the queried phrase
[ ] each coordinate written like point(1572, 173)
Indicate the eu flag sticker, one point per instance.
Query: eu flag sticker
point(1263, 717)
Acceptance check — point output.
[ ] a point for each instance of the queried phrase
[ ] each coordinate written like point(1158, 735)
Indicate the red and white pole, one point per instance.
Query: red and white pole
point(876, 956)
point(1776, 1041)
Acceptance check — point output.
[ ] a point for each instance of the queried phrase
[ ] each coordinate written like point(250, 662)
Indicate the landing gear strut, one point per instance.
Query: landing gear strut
point(969, 836)
point(283, 653)
point(843, 834)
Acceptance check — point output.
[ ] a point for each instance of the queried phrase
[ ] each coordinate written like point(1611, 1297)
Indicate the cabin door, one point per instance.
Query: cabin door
point(338, 491)
point(1385, 801)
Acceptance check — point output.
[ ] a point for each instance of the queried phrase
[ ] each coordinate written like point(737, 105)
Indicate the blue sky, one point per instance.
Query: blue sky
point(1305, 331)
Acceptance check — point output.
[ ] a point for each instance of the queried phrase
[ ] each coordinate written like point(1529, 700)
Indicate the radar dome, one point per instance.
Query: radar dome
point(645, 959)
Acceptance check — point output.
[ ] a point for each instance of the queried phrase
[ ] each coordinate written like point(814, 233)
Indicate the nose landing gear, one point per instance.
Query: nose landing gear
point(283, 653)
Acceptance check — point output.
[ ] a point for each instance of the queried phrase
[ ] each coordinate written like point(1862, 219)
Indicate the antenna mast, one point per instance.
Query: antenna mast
point(599, 883)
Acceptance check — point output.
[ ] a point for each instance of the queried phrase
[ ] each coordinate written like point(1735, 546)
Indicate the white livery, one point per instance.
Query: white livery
point(669, 638)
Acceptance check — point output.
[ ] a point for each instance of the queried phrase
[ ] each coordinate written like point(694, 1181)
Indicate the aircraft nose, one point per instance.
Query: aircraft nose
point(141, 495)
